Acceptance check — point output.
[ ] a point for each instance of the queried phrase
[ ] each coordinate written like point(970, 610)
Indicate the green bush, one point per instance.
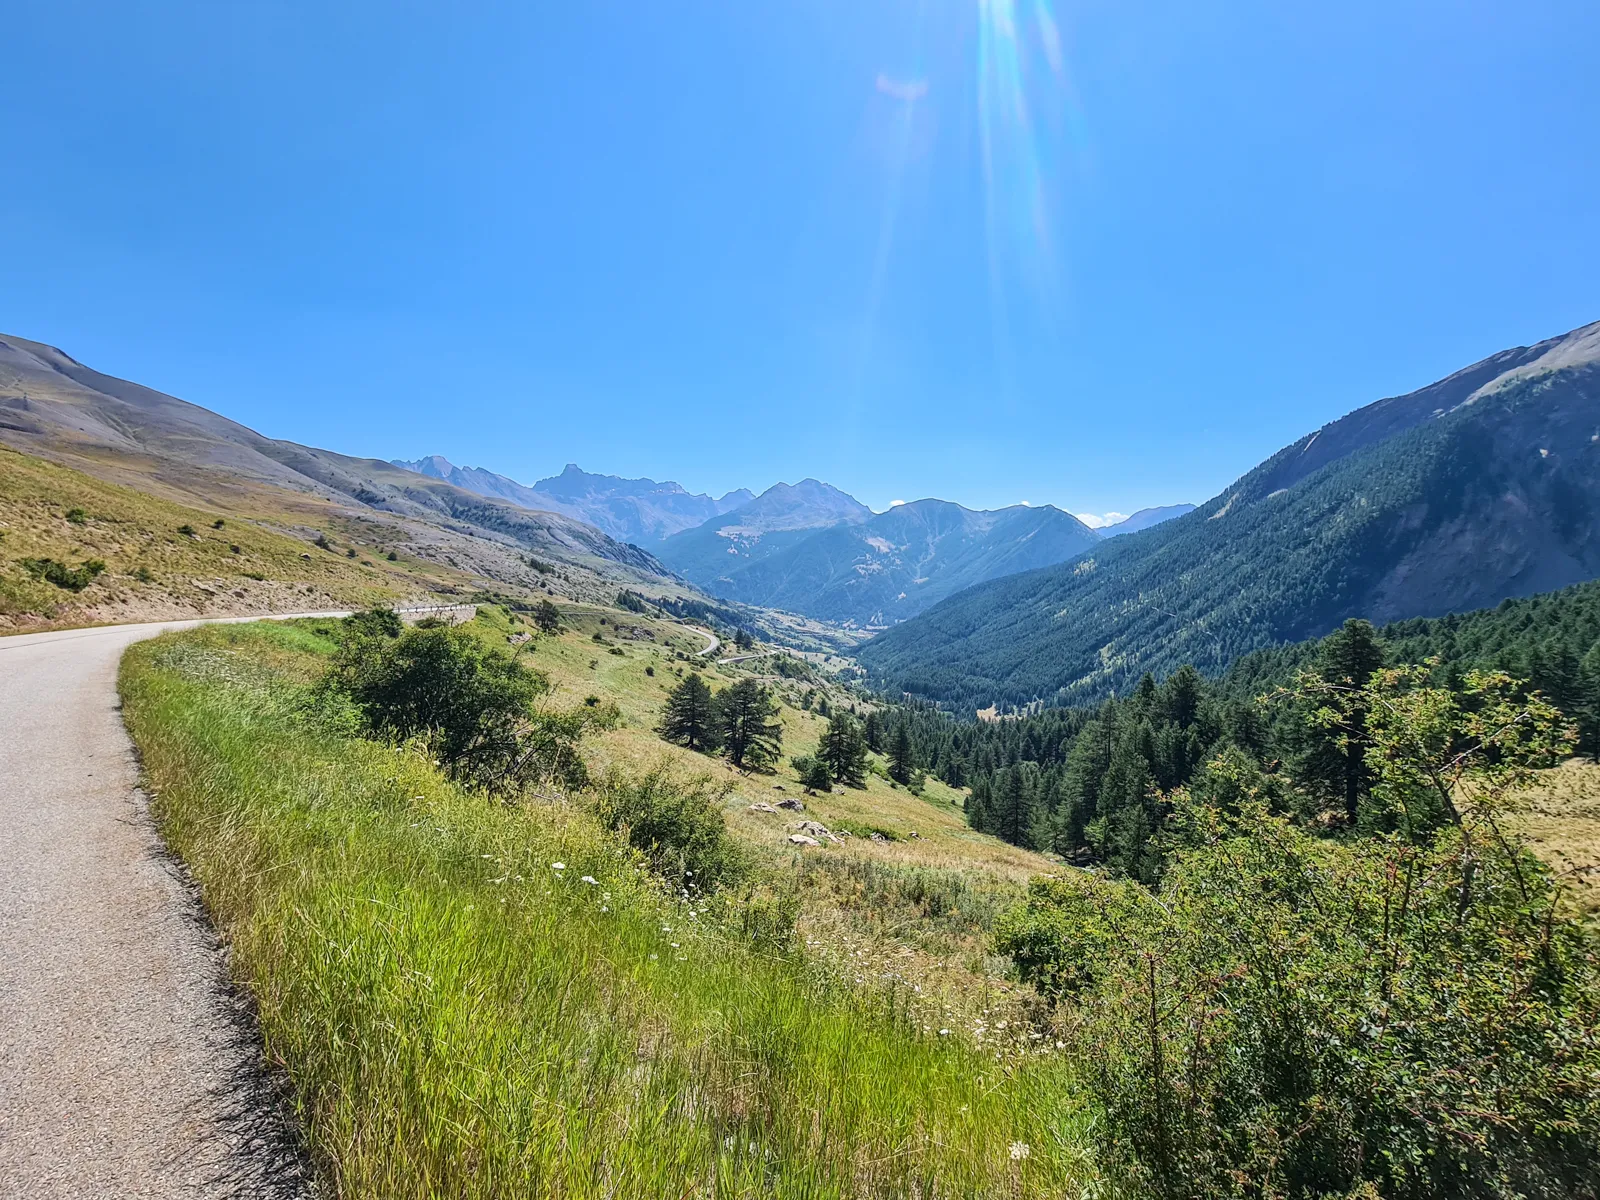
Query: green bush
point(1292, 1015)
point(472, 707)
point(374, 622)
point(77, 516)
point(813, 772)
point(676, 822)
point(73, 579)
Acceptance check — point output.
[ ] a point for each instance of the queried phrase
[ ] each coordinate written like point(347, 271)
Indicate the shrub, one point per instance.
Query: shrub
point(813, 772)
point(321, 541)
point(1290, 1015)
point(187, 530)
point(77, 516)
point(73, 579)
point(374, 622)
point(143, 575)
point(218, 523)
point(471, 706)
point(676, 822)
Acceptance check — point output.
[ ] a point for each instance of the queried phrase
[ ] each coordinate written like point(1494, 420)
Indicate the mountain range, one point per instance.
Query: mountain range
point(53, 406)
point(640, 511)
point(1477, 488)
point(878, 569)
point(1144, 519)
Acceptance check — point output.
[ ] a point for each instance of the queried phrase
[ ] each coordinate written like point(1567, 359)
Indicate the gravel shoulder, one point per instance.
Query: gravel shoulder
point(129, 1066)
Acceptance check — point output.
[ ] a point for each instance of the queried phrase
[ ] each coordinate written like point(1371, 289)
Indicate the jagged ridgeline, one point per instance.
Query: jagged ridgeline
point(1483, 486)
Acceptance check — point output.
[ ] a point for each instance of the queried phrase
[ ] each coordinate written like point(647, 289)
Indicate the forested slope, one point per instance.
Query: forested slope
point(1482, 487)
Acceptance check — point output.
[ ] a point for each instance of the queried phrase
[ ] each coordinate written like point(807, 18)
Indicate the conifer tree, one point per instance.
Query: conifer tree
point(547, 617)
point(872, 730)
point(1332, 758)
point(844, 750)
point(901, 762)
point(751, 739)
point(689, 716)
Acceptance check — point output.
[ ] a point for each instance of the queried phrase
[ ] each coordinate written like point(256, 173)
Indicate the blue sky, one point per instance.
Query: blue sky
point(1101, 254)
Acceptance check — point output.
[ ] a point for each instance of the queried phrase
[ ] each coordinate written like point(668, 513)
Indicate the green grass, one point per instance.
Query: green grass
point(161, 559)
point(461, 1019)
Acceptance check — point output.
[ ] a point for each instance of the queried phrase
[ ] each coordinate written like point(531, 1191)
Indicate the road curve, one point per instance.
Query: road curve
point(713, 642)
point(128, 1066)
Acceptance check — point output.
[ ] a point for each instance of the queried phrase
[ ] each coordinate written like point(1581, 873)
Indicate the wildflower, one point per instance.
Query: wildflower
point(591, 881)
point(1019, 1151)
point(558, 866)
point(944, 1033)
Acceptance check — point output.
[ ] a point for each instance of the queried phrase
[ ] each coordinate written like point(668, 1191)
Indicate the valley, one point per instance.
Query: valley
point(889, 901)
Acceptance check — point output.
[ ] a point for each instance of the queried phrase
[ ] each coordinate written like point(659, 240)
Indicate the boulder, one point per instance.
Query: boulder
point(761, 807)
point(792, 804)
point(800, 839)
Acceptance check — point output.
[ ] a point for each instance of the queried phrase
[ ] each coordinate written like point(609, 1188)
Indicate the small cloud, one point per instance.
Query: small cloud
point(1024, 504)
point(1101, 520)
point(908, 90)
point(896, 503)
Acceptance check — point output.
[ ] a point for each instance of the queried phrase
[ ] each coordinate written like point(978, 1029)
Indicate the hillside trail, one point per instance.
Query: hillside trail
point(129, 1066)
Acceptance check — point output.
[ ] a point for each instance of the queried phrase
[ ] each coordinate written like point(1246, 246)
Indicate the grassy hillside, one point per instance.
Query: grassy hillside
point(154, 570)
point(1497, 497)
point(475, 999)
point(55, 407)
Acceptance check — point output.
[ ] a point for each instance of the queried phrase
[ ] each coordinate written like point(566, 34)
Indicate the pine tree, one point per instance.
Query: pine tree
point(1588, 714)
point(901, 760)
point(872, 730)
point(844, 750)
point(751, 738)
point(547, 617)
point(1348, 658)
point(689, 716)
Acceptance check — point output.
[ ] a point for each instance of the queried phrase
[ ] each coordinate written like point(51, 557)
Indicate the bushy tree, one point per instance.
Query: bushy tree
point(689, 717)
point(813, 772)
point(547, 617)
point(472, 707)
point(750, 736)
point(844, 751)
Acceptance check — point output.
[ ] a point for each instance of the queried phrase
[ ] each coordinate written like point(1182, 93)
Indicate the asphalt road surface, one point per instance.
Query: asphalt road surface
point(129, 1067)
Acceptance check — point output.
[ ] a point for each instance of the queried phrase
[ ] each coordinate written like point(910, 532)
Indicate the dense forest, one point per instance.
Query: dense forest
point(1284, 554)
point(1086, 781)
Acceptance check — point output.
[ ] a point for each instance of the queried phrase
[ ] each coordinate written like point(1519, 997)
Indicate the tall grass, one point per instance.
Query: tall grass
point(462, 1019)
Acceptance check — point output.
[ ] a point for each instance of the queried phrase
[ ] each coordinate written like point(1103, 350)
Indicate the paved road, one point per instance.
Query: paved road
point(712, 640)
point(128, 1066)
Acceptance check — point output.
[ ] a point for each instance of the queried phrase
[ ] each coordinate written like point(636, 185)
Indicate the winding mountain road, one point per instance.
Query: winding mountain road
point(129, 1068)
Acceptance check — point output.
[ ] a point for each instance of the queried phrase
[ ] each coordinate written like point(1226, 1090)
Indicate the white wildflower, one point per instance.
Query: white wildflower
point(1019, 1151)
